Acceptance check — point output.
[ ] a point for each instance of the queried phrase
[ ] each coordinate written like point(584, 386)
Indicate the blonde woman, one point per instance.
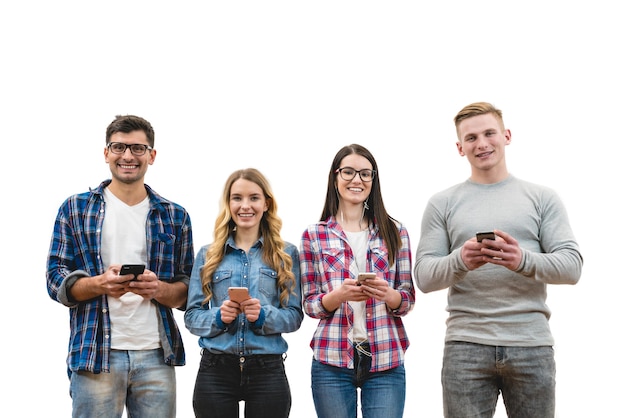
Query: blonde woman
point(242, 348)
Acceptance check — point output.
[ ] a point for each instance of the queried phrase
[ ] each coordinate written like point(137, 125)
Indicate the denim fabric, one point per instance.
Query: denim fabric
point(139, 380)
point(335, 390)
point(241, 337)
point(473, 375)
point(223, 380)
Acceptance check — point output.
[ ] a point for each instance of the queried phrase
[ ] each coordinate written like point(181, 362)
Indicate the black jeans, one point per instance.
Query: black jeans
point(223, 380)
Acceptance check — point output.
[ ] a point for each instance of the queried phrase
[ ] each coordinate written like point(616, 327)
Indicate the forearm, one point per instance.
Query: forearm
point(437, 273)
point(331, 301)
point(395, 300)
point(85, 288)
point(172, 295)
point(563, 267)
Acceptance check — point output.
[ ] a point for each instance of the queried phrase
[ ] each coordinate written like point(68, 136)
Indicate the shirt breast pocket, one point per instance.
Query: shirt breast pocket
point(219, 285)
point(268, 285)
point(333, 260)
point(380, 259)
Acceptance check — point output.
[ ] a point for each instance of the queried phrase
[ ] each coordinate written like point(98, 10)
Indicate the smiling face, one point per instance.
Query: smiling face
point(354, 191)
point(482, 140)
point(129, 168)
point(247, 205)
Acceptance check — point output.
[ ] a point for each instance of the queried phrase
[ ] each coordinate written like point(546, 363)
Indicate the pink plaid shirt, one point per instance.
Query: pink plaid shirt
point(326, 259)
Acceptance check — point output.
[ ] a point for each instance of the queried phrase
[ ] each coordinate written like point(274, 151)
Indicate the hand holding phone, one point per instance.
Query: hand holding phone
point(362, 277)
point(238, 294)
point(135, 269)
point(480, 236)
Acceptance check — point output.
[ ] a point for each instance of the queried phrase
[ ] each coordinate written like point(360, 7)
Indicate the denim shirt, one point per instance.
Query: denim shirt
point(242, 337)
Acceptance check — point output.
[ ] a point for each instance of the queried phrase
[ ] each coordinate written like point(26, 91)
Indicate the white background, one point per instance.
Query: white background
point(281, 86)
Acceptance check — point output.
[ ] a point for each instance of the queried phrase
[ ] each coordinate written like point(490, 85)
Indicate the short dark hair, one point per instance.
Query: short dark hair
point(128, 124)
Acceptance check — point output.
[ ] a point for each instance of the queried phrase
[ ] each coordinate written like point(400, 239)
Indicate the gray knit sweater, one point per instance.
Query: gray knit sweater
point(493, 305)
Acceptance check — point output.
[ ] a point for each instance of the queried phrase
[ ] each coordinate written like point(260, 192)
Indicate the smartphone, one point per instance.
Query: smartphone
point(364, 276)
point(238, 294)
point(135, 269)
point(480, 236)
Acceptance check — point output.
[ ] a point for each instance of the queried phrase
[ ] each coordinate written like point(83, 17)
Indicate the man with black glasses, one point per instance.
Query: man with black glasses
point(124, 340)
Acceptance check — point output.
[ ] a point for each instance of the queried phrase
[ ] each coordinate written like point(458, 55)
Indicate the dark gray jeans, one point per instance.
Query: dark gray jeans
point(473, 376)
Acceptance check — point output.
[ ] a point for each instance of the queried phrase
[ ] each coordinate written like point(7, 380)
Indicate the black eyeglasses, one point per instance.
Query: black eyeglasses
point(348, 173)
point(135, 149)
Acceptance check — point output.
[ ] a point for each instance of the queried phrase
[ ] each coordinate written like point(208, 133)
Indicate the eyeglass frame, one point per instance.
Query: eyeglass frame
point(340, 172)
point(147, 148)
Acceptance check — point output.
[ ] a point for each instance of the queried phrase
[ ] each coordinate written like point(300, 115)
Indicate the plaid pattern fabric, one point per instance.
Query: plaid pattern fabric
point(75, 252)
point(326, 259)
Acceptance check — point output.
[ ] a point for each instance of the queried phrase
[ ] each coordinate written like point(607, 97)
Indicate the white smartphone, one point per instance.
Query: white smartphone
point(364, 276)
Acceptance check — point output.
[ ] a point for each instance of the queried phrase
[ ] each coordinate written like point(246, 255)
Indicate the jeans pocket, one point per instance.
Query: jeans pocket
point(207, 361)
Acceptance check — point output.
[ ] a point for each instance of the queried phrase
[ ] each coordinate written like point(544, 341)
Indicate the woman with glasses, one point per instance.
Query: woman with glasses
point(244, 293)
point(360, 340)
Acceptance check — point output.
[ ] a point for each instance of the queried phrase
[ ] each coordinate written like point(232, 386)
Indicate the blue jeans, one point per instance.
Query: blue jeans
point(335, 390)
point(224, 379)
point(473, 375)
point(139, 380)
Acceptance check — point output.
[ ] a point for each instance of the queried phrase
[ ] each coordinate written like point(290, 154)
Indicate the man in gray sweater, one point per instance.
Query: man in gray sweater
point(498, 338)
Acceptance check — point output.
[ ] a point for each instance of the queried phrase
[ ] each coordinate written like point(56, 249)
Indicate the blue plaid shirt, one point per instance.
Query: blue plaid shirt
point(75, 252)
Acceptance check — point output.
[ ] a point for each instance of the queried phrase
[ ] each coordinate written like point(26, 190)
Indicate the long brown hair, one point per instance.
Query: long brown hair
point(375, 211)
point(274, 254)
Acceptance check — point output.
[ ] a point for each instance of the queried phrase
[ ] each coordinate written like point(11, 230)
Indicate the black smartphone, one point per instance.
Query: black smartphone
point(485, 235)
point(135, 269)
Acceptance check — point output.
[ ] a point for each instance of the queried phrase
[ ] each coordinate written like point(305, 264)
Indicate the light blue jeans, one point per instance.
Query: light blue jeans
point(335, 390)
point(473, 375)
point(139, 380)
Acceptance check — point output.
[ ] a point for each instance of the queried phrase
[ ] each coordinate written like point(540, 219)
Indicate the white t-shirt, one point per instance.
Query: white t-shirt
point(358, 243)
point(134, 320)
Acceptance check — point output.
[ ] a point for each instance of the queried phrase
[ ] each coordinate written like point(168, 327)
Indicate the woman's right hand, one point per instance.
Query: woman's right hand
point(349, 291)
point(229, 311)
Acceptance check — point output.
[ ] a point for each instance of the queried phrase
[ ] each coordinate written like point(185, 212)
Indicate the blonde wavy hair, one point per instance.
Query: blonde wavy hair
point(274, 254)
